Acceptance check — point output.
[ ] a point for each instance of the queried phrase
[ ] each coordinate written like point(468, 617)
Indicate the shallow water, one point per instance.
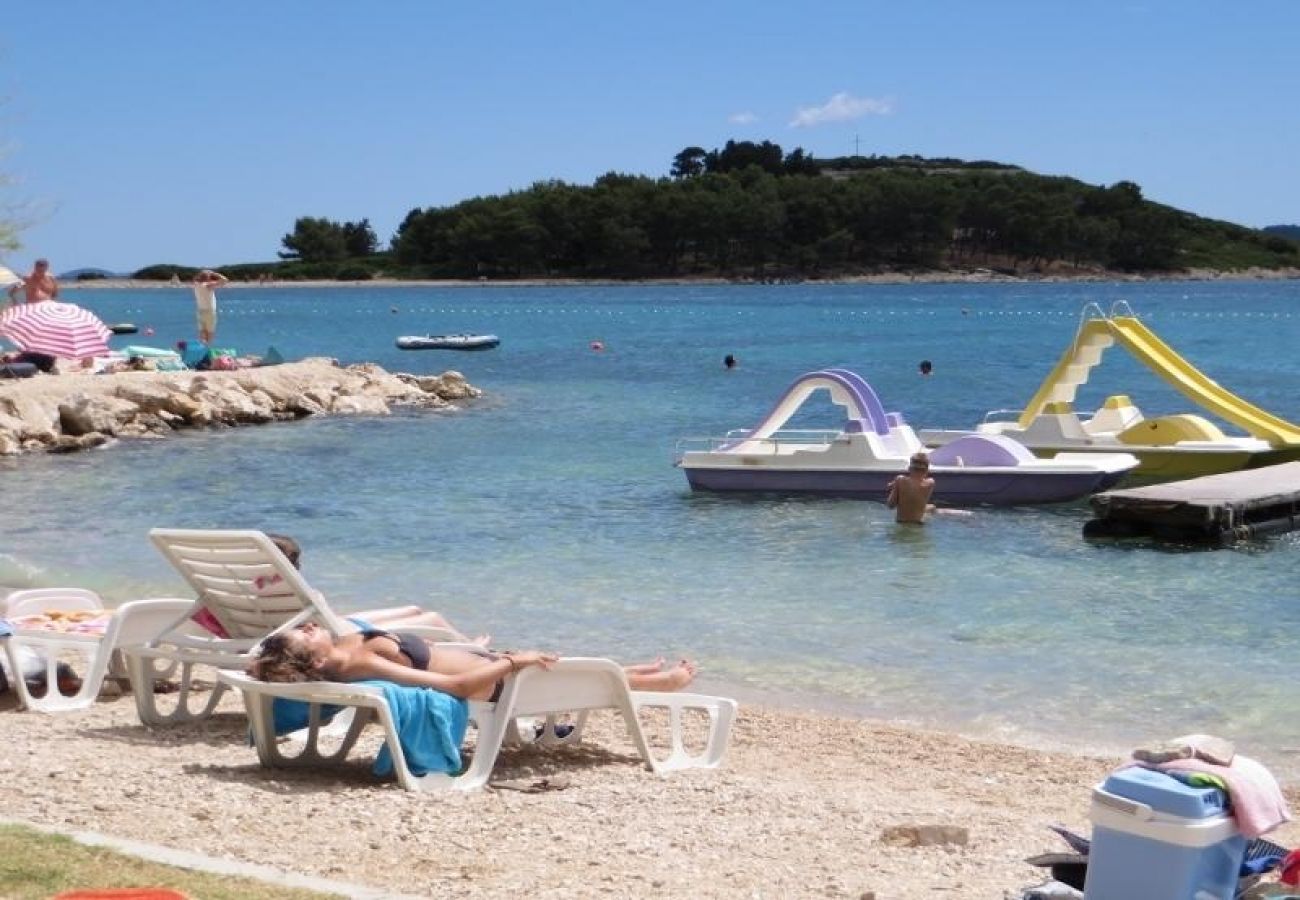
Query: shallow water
point(549, 512)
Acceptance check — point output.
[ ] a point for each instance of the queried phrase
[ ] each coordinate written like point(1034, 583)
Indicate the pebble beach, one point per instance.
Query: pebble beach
point(804, 805)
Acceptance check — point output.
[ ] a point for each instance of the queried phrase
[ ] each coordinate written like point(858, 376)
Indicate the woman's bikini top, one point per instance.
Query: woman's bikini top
point(412, 646)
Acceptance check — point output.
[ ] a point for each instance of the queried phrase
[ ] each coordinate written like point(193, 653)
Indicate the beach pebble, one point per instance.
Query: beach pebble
point(925, 835)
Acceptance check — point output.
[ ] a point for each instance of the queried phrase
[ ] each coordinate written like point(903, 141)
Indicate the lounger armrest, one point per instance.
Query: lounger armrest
point(142, 621)
point(721, 712)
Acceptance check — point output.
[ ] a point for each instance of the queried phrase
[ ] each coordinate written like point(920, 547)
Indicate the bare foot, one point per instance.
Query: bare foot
point(655, 665)
point(682, 674)
point(674, 679)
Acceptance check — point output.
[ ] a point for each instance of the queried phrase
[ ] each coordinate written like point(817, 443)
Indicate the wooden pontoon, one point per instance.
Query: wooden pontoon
point(1215, 509)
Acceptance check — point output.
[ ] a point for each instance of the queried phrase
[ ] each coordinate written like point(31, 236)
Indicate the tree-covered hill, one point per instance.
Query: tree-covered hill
point(1290, 232)
point(752, 210)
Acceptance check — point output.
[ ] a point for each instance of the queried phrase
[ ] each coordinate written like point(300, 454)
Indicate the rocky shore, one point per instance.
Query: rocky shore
point(66, 413)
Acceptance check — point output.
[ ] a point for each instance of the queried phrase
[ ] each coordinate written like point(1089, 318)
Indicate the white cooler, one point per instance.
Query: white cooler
point(1156, 838)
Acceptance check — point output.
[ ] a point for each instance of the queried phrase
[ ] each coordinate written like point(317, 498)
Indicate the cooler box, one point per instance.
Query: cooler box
point(1156, 838)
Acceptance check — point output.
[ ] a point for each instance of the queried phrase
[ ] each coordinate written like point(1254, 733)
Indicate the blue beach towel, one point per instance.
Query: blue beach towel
point(292, 715)
point(430, 727)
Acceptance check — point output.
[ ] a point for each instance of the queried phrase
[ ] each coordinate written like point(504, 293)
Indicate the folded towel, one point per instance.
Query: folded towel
point(1257, 801)
point(1212, 749)
point(430, 728)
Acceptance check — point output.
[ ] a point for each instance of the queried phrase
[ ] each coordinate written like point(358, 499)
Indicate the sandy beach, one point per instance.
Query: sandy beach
point(802, 807)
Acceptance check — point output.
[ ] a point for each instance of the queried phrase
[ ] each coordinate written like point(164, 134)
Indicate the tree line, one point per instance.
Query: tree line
point(753, 210)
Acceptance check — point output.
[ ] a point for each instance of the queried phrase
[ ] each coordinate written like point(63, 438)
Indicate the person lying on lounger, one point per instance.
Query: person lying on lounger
point(310, 653)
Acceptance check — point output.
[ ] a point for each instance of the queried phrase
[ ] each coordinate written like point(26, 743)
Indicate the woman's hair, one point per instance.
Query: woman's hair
point(288, 546)
point(280, 659)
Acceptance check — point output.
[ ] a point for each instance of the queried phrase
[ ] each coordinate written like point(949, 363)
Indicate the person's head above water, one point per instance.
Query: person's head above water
point(729, 361)
point(925, 367)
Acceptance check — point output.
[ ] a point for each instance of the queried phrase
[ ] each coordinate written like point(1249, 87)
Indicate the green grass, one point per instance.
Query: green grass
point(35, 866)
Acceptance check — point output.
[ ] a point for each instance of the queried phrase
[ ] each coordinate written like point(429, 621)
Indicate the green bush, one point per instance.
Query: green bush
point(353, 272)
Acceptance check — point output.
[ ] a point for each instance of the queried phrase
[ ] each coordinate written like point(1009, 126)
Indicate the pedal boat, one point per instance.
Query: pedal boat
point(861, 457)
point(1168, 448)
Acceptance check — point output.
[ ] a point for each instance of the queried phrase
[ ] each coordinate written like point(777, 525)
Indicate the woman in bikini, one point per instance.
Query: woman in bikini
point(310, 653)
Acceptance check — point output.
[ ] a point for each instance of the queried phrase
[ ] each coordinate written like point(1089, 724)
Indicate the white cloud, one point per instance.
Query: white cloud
point(840, 108)
point(742, 118)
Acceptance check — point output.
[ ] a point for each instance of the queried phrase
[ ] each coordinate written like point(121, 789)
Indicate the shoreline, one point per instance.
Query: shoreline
point(804, 802)
point(947, 277)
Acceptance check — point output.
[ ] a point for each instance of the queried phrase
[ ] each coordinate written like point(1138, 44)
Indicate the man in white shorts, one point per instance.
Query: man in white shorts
point(205, 300)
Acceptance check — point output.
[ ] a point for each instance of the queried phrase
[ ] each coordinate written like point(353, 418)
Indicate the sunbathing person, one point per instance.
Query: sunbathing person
point(310, 653)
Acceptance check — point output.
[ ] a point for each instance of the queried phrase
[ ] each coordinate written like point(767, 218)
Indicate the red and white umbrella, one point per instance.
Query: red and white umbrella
point(55, 329)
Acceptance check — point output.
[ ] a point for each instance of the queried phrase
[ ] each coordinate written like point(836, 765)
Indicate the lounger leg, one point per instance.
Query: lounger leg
point(146, 672)
point(54, 700)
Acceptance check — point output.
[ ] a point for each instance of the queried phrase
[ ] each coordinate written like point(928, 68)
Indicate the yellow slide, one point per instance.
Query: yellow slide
point(1196, 386)
point(1099, 333)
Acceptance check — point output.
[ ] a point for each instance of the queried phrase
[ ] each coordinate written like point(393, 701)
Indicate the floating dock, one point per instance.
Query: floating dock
point(1216, 509)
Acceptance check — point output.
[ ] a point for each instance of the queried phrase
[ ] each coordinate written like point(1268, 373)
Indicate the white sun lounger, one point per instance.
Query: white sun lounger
point(96, 651)
point(572, 685)
point(248, 586)
point(225, 569)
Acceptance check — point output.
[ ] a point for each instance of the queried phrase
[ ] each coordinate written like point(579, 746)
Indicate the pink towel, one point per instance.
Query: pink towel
point(1257, 801)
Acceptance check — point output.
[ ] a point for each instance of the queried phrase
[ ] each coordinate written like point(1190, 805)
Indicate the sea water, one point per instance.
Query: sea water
point(549, 513)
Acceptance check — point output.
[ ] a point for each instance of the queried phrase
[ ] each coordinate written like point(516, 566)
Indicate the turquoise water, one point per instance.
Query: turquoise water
point(549, 513)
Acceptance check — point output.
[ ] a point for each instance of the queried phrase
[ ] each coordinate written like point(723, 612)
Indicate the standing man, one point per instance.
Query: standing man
point(909, 494)
point(205, 300)
point(39, 285)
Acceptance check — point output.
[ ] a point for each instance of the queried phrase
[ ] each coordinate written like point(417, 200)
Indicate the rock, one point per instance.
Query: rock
point(182, 405)
point(144, 392)
point(66, 443)
point(360, 405)
point(54, 413)
point(925, 835)
point(82, 414)
point(40, 416)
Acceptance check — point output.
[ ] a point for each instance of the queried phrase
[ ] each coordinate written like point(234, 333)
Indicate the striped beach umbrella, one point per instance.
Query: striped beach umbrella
point(55, 329)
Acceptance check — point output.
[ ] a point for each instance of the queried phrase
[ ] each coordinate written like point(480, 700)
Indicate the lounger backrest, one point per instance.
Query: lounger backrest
point(243, 579)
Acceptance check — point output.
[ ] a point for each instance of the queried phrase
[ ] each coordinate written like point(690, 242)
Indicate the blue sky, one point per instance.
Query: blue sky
point(196, 133)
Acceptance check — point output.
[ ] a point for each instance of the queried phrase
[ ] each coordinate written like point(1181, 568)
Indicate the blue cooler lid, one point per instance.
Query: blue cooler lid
point(1166, 794)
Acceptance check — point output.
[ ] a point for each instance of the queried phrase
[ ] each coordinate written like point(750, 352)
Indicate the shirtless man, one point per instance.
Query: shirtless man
point(910, 493)
point(39, 285)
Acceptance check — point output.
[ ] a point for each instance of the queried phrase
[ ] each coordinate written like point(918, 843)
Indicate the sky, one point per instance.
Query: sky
point(134, 132)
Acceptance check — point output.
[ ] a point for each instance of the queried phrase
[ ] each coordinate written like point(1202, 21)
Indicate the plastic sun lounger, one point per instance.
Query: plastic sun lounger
point(573, 684)
point(225, 569)
point(248, 586)
point(95, 648)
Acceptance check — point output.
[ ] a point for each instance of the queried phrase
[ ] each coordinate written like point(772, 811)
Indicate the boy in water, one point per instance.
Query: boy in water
point(910, 493)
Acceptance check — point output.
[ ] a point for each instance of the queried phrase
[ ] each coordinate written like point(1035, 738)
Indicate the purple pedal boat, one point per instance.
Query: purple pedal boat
point(861, 457)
